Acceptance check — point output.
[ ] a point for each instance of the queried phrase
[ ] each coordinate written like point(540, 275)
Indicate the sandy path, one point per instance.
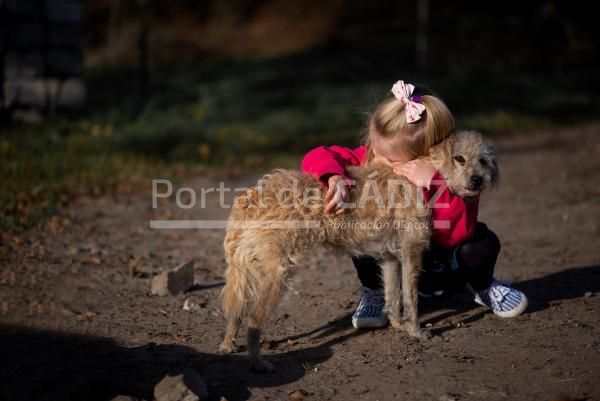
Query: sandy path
point(77, 321)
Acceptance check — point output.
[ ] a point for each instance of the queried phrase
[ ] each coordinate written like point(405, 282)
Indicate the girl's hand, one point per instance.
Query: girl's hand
point(337, 195)
point(383, 160)
point(419, 172)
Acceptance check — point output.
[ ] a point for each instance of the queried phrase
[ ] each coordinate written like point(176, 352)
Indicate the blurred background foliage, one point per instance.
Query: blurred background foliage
point(178, 88)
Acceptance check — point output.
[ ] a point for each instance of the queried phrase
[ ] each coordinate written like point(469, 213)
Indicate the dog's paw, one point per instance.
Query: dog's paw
point(416, 332)
point(419, 334)
point(396, 323)
point(262, 366)
point(424, 334)
point(228, 348)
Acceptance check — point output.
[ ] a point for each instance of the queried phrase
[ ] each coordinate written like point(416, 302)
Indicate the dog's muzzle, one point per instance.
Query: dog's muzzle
point(475, 181)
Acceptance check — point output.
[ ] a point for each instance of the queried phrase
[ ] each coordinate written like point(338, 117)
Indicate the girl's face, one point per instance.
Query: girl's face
point(385, 153)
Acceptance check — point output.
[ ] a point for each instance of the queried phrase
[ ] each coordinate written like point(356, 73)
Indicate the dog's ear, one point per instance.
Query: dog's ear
point(442, 150)
point(448, 144)
point(490, 155)
point(441, 153)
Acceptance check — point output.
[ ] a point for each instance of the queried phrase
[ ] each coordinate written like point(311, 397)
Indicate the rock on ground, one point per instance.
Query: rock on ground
point(173, 281)
point(186, 386)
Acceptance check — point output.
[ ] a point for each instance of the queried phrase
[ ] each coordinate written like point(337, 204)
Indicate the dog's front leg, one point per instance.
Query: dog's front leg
point(411, 269)
point(393, 290)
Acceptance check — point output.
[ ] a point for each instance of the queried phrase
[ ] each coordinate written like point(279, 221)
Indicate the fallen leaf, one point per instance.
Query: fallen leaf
point(54, 224)
point(297, 394)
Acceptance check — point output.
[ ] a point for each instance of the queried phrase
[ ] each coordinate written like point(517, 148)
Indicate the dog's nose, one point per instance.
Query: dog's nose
point(476, 180)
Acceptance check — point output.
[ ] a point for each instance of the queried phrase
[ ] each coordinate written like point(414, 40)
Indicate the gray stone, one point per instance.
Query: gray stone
point(173, 281)
point(124, 398)
point(190, 305)
point(60, 94)
point(72, 94)
point(186, 386)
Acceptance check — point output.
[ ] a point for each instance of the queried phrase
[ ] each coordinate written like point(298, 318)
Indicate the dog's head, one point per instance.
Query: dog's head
point(467, 163)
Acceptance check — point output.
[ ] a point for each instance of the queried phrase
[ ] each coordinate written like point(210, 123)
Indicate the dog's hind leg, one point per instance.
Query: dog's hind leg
point(392, 289)
point(411, 269)
point(234, 296)
point(269, 294)
point(233, 306)
point(228, 344)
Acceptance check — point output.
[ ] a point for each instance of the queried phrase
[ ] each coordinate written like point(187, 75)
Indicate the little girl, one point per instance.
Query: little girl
point(463, 251)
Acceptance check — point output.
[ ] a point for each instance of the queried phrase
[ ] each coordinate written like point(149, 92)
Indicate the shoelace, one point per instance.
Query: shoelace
point(498, 290)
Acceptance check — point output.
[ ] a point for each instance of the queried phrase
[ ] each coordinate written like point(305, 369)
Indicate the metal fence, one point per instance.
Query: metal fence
point(41, 58)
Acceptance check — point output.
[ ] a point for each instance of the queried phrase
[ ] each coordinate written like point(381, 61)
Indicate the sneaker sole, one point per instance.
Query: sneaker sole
point(369, 323)
point(435, 294)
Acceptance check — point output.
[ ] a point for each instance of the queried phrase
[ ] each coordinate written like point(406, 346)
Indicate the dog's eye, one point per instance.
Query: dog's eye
point(459, 159)
point(483, 162)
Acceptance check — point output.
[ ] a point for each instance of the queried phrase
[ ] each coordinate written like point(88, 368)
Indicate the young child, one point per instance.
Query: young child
point(463, 253)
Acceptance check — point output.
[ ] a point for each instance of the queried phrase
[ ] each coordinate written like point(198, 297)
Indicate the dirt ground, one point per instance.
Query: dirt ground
point(77, 321)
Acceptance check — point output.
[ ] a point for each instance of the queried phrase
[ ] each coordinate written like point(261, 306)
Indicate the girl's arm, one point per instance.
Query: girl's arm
point(325, 161)
point(453, 218)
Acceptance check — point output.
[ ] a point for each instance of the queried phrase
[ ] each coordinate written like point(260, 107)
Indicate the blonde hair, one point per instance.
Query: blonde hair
point(388, 121)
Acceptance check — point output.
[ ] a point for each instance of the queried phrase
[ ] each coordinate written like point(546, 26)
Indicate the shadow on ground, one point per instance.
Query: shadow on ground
point(566, 284)
point(50, 365)
point(541, 292)
point(571, 283)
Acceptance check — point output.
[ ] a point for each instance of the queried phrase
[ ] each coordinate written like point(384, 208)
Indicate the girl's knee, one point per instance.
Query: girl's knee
point(480, 251)
point(485, 238)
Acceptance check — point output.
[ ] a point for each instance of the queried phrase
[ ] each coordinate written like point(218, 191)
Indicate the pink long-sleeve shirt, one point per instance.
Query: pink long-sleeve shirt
point(453, 219)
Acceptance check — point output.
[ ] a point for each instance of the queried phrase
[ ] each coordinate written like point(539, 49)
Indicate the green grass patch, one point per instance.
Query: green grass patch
point(240, 115)
point(44, 167)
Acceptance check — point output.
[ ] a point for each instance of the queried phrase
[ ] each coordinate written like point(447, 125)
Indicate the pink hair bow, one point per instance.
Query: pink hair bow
point(403, 93)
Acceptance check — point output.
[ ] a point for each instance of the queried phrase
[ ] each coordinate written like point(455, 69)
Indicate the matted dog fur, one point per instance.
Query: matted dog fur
point(274, 224)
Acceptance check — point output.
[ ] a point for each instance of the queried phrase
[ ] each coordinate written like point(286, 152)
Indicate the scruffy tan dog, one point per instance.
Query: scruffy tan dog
point(274, 224)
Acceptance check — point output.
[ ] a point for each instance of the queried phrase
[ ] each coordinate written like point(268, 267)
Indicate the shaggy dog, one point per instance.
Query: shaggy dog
point(274, 224)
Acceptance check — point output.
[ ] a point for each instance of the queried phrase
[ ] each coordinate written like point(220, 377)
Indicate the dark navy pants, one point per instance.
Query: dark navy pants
point(471, 262)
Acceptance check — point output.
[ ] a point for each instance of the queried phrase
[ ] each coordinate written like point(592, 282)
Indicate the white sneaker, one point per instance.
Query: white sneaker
point(504, 300)
point(369, 314)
